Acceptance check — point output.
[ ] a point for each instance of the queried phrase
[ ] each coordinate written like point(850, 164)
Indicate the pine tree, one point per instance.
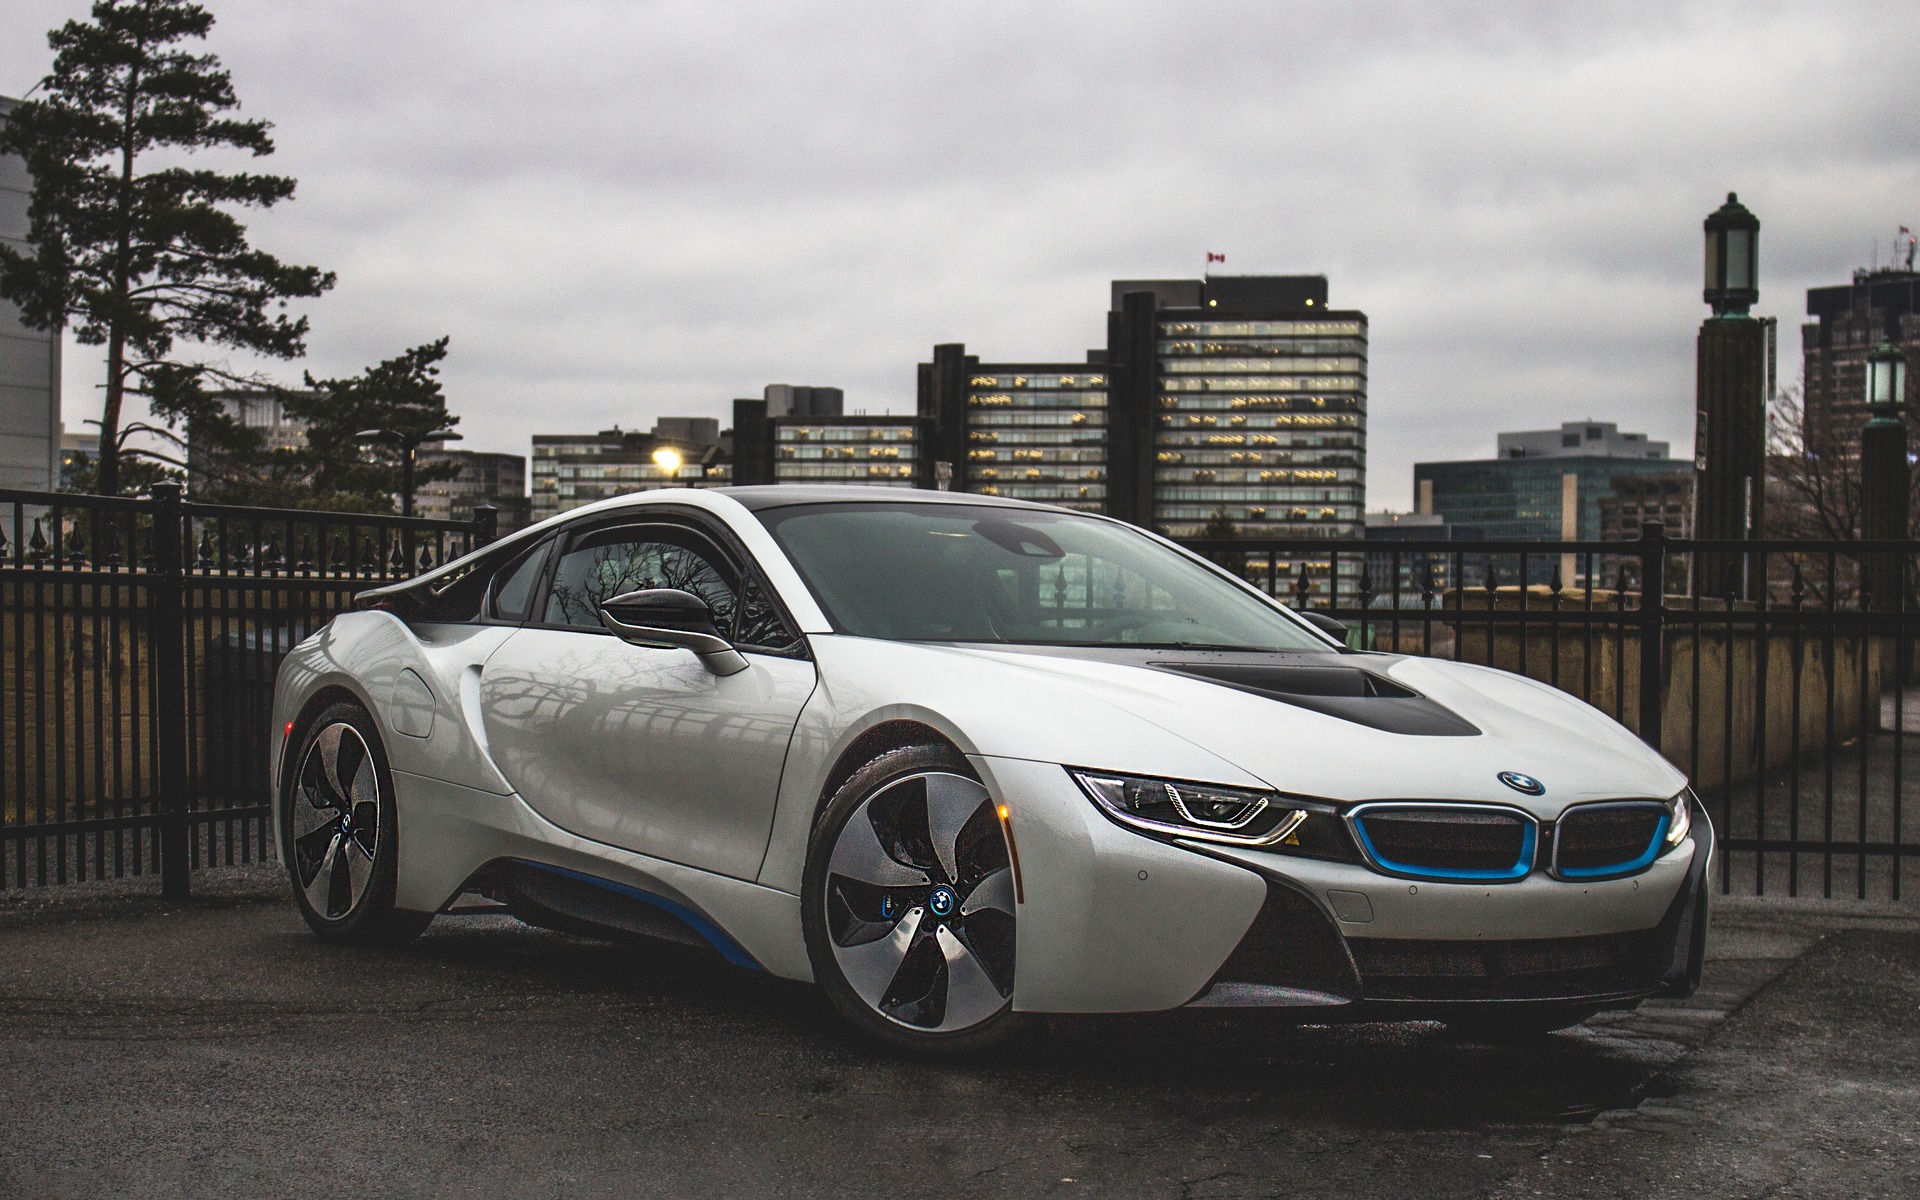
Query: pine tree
point(148, 261)
point(401, 396)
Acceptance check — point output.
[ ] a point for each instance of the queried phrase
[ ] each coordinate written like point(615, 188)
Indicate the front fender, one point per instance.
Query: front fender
point(987, 708)
point(421, 686)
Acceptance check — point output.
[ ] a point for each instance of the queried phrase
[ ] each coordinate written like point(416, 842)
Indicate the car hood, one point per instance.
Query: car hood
point(1322, 732)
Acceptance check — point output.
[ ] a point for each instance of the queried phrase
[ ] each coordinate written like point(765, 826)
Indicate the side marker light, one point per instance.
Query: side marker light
point(1013, 853)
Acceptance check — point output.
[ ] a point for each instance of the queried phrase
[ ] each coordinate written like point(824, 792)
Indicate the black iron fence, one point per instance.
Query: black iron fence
point(1777, 674)
point(141, 637)
point(140, 640)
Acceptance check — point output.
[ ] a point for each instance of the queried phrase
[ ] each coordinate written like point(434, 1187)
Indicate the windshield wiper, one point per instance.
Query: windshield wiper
point(1181, 646)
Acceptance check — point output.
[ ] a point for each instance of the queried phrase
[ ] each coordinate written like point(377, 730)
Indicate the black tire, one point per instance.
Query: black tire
point(1507, 1024)
point(973, 873)
point(323, 822)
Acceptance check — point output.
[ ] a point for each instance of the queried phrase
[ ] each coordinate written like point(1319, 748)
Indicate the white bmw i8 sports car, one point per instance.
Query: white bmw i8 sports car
point(959, 760)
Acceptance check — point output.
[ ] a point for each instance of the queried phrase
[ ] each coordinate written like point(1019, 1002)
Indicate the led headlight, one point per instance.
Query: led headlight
point(1681, 823)
point(1209, 812)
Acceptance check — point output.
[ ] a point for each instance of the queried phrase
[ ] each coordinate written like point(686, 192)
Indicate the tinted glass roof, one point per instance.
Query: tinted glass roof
point(780, 495)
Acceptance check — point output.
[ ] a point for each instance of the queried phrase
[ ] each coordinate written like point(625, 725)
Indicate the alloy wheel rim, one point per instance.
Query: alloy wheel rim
point(920, 904)
point(335, 821)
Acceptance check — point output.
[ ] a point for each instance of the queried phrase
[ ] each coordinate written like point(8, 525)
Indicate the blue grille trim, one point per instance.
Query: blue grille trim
point(1641, 863)
point(1529, 844)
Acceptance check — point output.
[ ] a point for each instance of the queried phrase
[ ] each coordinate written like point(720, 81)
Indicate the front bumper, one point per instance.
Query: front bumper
point(1114, 921)
point(1295, 957)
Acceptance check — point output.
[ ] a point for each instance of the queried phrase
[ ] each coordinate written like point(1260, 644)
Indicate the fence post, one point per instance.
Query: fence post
point(486, 525)
point(1653, 641)
point(166, 638)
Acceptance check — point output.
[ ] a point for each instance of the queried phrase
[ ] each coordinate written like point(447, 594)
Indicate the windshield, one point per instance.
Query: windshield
point(966, 573)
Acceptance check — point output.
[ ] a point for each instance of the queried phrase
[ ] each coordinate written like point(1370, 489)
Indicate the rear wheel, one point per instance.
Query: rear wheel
point(908, 905)
point(342, 833)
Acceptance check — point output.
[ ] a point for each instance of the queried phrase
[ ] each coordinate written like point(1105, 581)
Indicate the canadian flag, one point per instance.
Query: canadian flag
point(1220, 258)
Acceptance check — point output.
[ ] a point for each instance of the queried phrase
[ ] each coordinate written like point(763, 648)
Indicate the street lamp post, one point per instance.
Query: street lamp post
point(1884, 478)
point(1730, 419)
point(409, 444)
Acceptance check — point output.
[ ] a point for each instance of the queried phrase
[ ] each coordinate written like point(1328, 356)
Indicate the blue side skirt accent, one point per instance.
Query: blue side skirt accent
point(716, 937)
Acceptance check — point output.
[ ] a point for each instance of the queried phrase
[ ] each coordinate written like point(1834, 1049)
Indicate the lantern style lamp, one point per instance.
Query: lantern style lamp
point(1733, 259)
point(1885, 472)
point(1886, 381)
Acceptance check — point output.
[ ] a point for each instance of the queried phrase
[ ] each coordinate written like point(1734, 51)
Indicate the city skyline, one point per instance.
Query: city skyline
point(620, 215)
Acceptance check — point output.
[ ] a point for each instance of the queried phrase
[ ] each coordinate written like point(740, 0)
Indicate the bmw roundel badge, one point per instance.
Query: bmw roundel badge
point(1524, 784)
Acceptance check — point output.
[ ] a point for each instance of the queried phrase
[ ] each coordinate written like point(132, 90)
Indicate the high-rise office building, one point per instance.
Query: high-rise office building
point(484, 478)
point(881, 450)
point(29, 358)
point(1029, 431)
point(1260, 407)
point(1225, 403)
point(572, 470)
point(805, 435)
point(1848, 322)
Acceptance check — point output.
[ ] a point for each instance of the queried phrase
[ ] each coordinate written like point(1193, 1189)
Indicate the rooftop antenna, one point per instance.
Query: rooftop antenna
point(1911, 242)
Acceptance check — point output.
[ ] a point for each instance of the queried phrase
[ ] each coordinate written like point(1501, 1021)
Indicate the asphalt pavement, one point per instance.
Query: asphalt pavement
point(213, 1048)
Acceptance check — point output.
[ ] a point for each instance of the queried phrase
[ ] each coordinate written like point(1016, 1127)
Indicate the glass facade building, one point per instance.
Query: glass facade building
point(485, 478)
point(572, 470)
point(882, 450)
point(1225, 406)
point(1531, 498)
point(1038, 432)
point(1261, 425)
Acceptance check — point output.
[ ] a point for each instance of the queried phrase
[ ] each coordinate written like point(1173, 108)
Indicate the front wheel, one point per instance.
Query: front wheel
point(908, 906)
point(342, 833)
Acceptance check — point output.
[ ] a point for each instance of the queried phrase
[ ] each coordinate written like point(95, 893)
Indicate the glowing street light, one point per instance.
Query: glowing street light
point(668, 460)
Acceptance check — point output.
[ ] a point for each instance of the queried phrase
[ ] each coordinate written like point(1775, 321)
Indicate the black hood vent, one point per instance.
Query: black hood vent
point(1348, 693)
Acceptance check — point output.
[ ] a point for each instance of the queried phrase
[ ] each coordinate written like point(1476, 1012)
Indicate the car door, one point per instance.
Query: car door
point(640, 747)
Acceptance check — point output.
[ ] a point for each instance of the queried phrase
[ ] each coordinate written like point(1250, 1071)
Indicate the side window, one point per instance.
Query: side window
point(605, 563)
point(757, 622)
point(512, 591)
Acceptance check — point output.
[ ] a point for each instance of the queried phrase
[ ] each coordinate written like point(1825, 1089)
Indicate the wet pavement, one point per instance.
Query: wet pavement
point(214, 1048)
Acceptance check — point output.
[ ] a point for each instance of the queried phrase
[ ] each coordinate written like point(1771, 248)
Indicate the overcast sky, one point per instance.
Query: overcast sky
point(623, 210)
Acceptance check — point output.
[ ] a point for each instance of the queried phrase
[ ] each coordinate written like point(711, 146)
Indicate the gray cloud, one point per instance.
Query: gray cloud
point(621, 210)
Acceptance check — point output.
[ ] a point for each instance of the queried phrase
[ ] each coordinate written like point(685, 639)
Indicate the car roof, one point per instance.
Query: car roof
point(753, 499)
point(778, 495)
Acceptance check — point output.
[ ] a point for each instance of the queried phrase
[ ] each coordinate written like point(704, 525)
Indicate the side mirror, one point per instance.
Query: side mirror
point(673, 618)
point(1324, 623)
